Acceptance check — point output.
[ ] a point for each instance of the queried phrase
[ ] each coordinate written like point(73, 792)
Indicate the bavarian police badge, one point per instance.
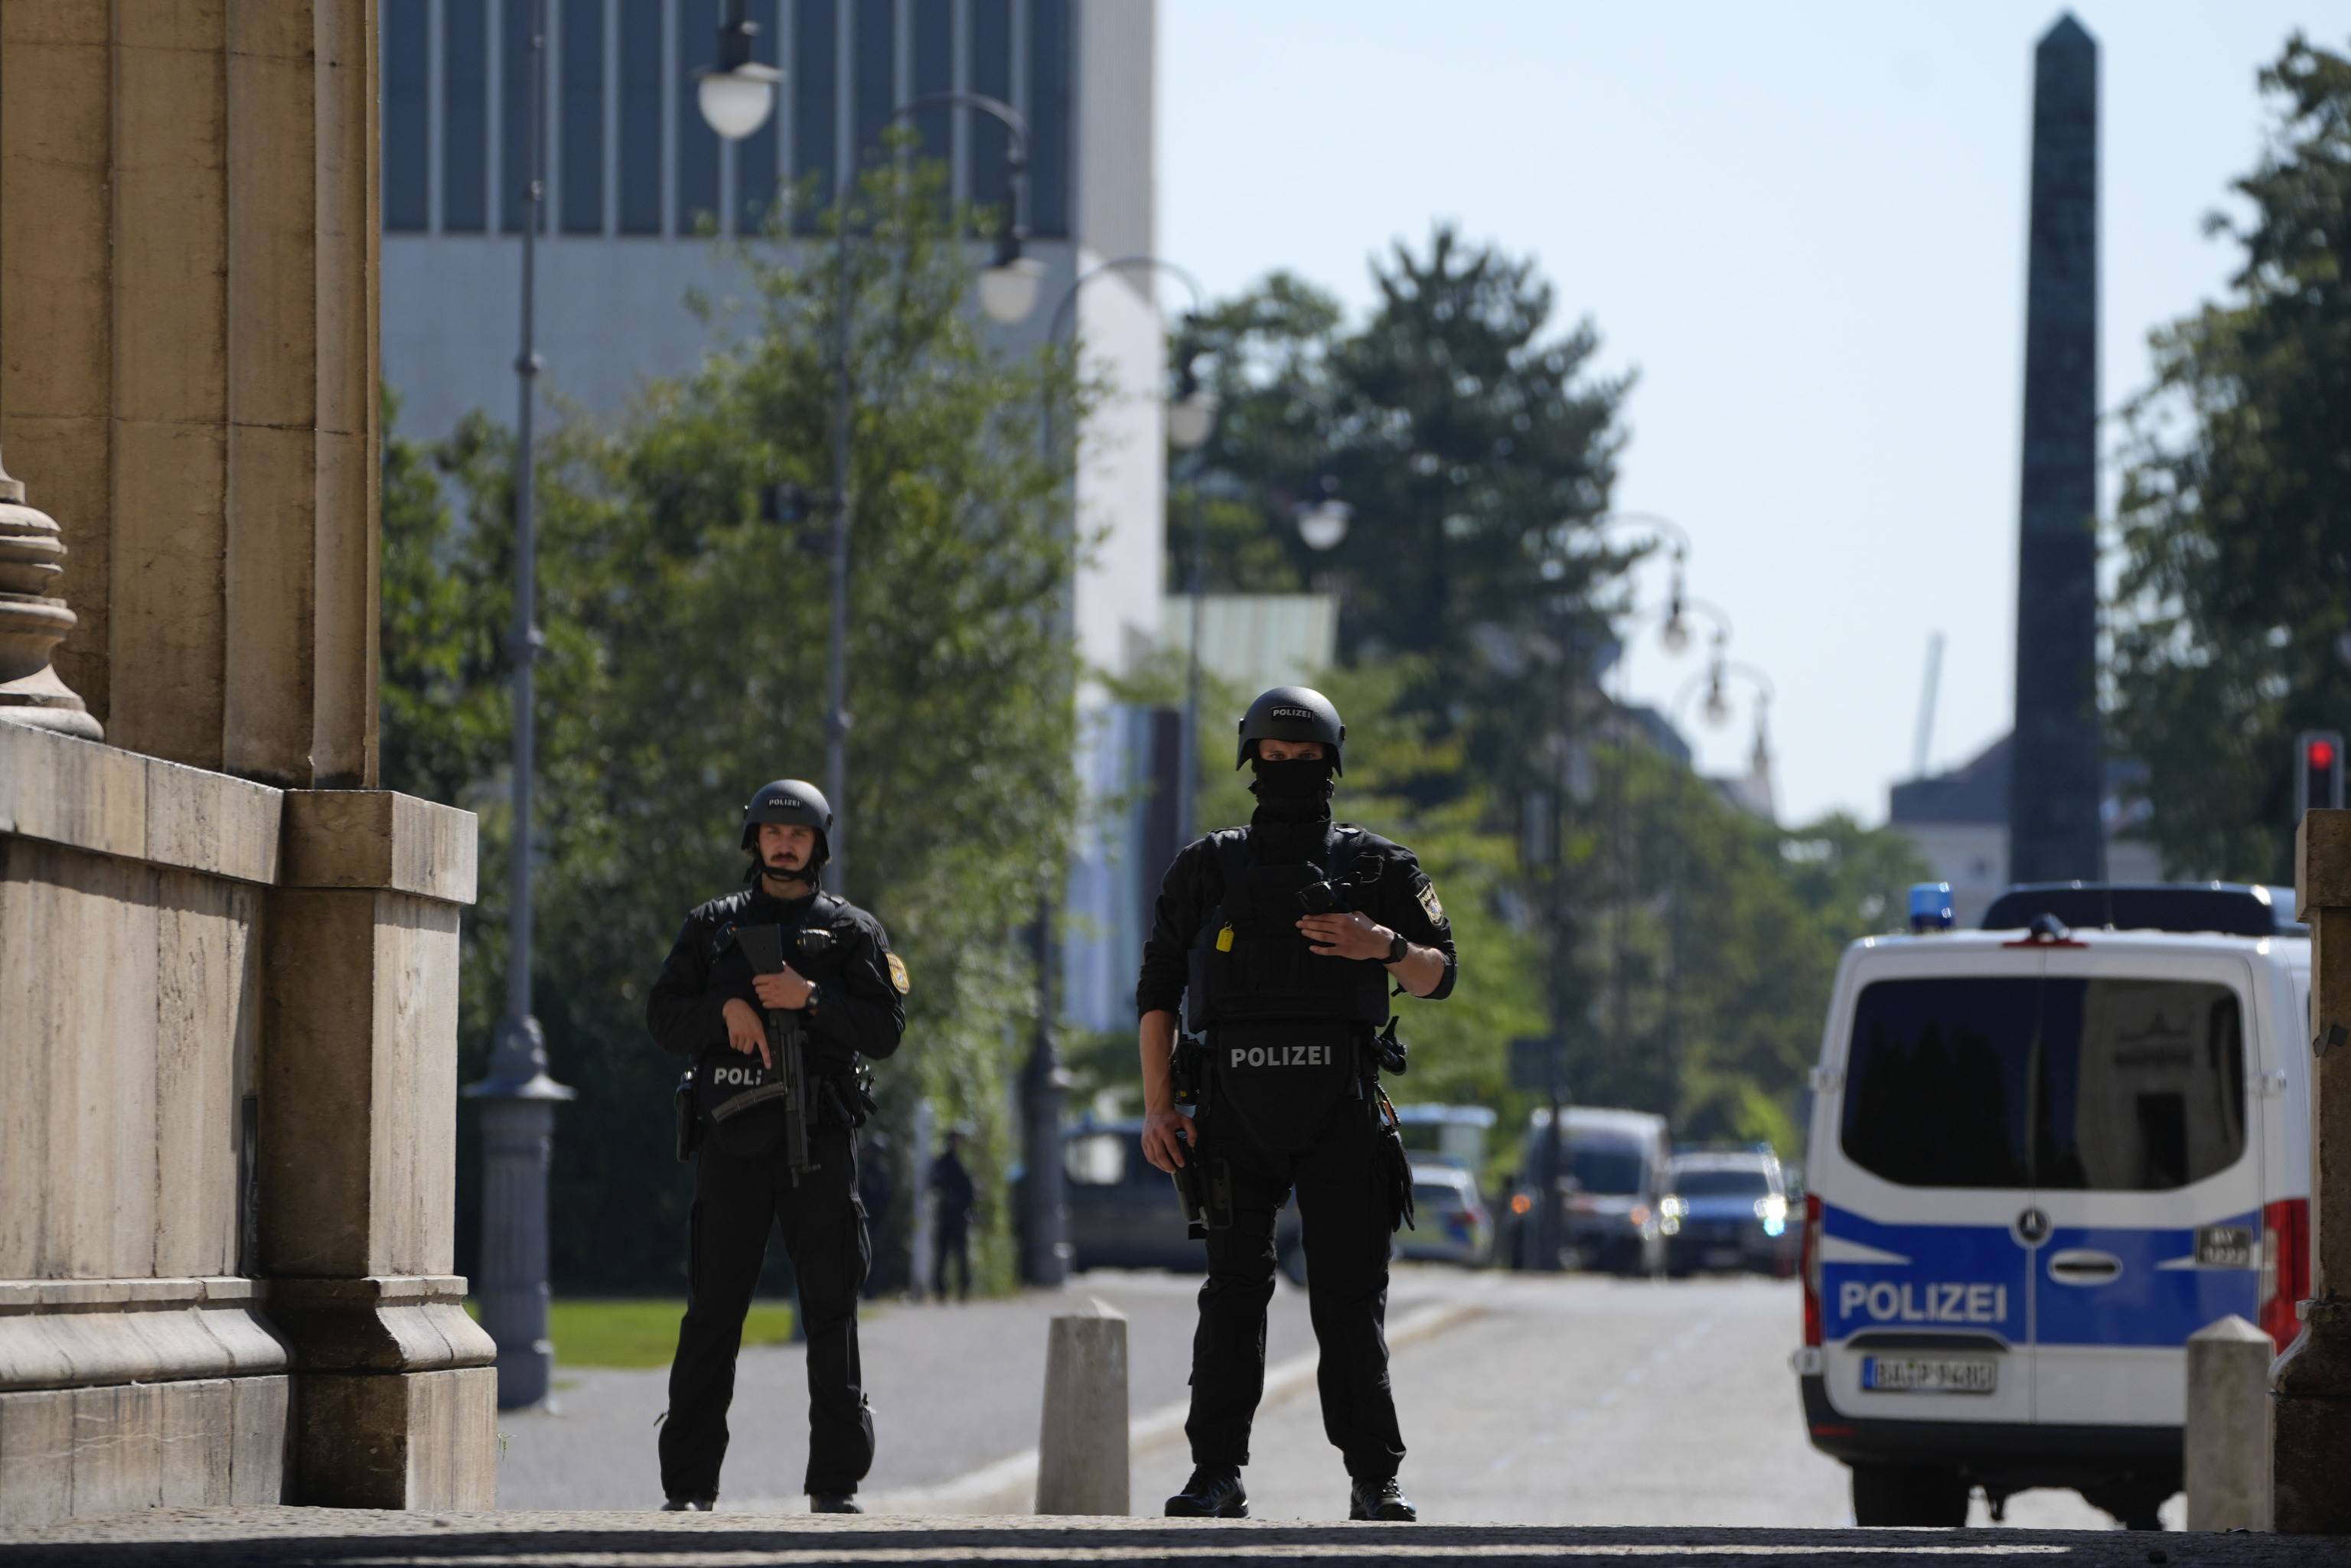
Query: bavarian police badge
point(898, 974)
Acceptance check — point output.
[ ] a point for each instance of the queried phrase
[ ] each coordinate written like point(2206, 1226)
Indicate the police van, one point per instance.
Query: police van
point(2043, 1154)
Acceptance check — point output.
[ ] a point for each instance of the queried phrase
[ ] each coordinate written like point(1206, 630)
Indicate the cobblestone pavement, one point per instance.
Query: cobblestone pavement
point(287, 1537)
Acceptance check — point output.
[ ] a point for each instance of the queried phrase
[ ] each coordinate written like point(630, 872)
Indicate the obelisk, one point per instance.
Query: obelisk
point(2054, 833)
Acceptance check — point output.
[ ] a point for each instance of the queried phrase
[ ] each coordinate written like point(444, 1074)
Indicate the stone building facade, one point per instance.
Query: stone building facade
point(228, 1048)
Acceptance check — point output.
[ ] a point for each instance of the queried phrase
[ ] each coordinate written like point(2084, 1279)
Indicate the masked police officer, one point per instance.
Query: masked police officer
point(712, 1004)
point(1286, 935)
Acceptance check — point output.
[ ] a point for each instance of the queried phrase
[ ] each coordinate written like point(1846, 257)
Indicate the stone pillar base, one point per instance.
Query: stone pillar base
point(68, 1453)
point(396, 1400)
point(416, 1440)
point(2311, 1399)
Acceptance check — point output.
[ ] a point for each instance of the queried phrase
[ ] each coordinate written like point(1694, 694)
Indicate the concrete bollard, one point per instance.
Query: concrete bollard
point(1081, 1462)
point(2228, 1435)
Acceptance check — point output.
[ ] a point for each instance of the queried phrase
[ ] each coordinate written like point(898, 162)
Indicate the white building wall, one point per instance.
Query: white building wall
point(613, 314)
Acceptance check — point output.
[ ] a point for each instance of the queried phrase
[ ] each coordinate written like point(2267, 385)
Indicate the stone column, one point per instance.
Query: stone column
point(33, 621)
point(189, 382)
point(188, 366)
point(2053, 832)
point(2311, 1383)
point(394, 1382)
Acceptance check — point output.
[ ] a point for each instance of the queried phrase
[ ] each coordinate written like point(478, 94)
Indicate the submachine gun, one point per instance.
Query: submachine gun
point(769, 948)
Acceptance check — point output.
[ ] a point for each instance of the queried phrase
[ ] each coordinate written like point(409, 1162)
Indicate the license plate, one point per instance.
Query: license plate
point(1928, 1374)
point(2224, 1246)
point(1721, 1257)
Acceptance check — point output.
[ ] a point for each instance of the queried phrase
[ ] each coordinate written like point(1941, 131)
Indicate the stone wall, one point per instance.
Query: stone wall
point(228, 964)
point(228, 1094)
point(188, 366)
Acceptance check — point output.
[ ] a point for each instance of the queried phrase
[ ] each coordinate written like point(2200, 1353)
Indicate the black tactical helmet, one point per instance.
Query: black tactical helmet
point(1293, 713)
point(793, 801)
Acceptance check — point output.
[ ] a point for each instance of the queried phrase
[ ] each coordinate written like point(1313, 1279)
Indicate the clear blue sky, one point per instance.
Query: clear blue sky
point(1803, 225)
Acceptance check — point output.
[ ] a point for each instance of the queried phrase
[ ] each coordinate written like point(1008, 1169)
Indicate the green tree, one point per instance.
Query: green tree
point(1476, 448)
point(1685, 950)
point(2231, 625)
point(685, 667)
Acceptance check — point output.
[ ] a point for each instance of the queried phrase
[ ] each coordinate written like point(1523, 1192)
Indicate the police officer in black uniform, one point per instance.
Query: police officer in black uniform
point(1287, 1001)
point(848, 990)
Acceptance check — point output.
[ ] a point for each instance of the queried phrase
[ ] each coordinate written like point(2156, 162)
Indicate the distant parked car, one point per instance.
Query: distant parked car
point(1613, 1166)
point(1450, 1221)
point(1724, 1210)
point(1123, 1212)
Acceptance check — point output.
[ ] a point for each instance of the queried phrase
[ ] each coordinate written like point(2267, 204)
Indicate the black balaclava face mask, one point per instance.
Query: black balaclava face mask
point(1293, 801)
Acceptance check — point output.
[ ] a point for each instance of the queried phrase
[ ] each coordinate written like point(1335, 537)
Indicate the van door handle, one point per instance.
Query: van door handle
point(2083, 1266)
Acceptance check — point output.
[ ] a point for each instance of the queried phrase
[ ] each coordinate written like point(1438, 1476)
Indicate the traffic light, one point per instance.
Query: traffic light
point(2318, 770)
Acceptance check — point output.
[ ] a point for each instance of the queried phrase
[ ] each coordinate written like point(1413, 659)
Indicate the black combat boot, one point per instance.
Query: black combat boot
point(1213, 1493)
point(1380, 1500)
point(833, 1502)
point(703, 1504)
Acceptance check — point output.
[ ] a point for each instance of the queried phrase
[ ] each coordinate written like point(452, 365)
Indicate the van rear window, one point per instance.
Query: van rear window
point(1615, 1173)
point(2126, 1085)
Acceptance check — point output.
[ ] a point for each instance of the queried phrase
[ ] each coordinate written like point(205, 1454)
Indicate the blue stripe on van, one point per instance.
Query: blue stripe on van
point(1955, 1279)
point(2145, 1304)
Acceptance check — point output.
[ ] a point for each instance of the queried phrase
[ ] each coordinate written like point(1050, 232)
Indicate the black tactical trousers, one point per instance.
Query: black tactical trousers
point(735, 1201)
point(1343, 1206)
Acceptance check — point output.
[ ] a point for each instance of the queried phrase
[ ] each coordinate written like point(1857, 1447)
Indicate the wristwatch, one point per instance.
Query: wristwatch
point(1397, 950)
point(815, 997)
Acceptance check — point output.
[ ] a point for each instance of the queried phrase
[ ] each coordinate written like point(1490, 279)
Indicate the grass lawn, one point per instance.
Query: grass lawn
point(640, 1333)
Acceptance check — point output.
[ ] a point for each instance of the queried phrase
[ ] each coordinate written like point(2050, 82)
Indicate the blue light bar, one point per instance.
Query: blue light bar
point(1930, 906)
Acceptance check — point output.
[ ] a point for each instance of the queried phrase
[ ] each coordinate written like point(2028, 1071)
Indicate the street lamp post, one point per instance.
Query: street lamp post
point(1191, 420)
point(518, 1097)
point(1044, 1080)
point(1008, 292)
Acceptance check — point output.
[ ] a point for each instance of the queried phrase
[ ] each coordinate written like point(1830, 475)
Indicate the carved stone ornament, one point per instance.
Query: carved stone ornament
point(33, 621)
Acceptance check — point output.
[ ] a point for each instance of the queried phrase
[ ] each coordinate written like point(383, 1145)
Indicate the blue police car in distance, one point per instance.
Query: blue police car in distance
point(2042, 1155)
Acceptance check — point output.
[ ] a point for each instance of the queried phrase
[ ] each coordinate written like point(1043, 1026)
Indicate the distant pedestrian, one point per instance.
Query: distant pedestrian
point(951, 1227)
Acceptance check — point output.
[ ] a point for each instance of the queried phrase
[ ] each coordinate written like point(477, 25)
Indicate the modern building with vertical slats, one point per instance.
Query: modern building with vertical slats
point(640, 192)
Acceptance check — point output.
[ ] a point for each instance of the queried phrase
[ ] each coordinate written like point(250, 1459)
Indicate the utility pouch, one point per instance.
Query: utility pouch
point(689, 1125)
point(1388, 1049)
point(1393, 1162)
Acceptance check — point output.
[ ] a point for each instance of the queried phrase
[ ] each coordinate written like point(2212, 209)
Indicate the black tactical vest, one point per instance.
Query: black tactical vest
point(1282, 1023)
point(1251, 964)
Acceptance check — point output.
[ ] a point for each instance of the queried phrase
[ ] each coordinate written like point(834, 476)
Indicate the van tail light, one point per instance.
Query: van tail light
point(2285, 1267)
point(1809, 1265)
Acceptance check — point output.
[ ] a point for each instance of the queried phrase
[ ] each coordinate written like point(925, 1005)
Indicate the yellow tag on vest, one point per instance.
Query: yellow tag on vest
point(1225, 940)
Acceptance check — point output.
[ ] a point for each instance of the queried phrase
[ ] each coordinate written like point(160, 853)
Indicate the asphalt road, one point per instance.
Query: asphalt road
point(1582, 1400)
point(1564, 1400)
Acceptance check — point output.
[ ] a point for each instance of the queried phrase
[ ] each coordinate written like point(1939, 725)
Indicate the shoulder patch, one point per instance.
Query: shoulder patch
point(898, 975)
point(1431, 902)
